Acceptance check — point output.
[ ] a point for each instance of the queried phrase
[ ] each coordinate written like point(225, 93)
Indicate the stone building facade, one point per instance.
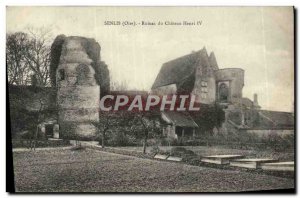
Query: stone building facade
point(198, 73)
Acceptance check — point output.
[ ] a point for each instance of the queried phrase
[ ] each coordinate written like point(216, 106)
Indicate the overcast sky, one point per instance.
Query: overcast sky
point(258, 40)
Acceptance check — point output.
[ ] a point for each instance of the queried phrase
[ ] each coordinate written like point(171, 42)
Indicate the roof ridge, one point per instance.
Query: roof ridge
point(186, 55)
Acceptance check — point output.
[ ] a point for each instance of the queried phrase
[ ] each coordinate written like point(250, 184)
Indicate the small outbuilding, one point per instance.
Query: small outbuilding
point(178, 125)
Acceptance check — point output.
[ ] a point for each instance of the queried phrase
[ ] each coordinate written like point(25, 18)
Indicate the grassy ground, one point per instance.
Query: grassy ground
point(220, 150)
point(90, 170)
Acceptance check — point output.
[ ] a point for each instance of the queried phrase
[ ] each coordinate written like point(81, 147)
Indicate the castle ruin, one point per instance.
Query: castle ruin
point(79, 77)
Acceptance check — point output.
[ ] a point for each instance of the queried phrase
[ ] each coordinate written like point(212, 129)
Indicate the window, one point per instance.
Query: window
point(204, 89)
point(203, 95)
point(203, 83)
point(61, 74)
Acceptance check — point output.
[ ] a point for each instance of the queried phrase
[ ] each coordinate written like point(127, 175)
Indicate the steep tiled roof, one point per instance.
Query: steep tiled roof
point(129, 93)
point(182, 69)
point(247, 102)
point(182, 119)
point(268, 120)
point(276, 119)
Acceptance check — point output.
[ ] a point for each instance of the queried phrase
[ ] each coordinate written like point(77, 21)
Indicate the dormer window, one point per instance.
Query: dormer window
point(61, 74)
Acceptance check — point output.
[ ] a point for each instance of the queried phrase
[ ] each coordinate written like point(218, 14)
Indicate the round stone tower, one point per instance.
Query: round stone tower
point(78, 94)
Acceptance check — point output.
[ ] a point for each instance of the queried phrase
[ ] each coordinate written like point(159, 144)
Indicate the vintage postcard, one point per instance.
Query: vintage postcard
point(150, 99)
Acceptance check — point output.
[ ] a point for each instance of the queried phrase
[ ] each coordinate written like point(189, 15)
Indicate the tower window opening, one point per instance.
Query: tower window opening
point(223, 92)
point(61, 74)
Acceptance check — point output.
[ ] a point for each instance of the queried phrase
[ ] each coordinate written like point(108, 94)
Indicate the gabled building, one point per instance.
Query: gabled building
point(198, 73)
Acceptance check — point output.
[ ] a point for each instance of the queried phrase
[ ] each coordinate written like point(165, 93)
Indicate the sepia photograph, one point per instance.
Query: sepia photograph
point(181, 99)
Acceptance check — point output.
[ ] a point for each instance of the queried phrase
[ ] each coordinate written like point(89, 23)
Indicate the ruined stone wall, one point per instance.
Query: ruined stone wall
point(269, 132)
point(32, 98)
point(78, 92)
point(92, 49)
point(26, 103)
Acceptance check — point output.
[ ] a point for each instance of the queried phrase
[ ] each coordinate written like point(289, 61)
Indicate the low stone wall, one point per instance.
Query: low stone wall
point(123, 152)
point(264, 133)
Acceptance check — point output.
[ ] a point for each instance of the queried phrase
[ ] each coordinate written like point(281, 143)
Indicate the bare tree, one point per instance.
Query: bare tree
point(105, 123)
point(115, 125)
point(38, 54)
point(28, 54)
point(150, 125)
point(41, 106)
point(18, 72)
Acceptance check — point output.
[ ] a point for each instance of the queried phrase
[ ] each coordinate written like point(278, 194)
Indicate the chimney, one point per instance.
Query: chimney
point(213, 61)
point(255, 102)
